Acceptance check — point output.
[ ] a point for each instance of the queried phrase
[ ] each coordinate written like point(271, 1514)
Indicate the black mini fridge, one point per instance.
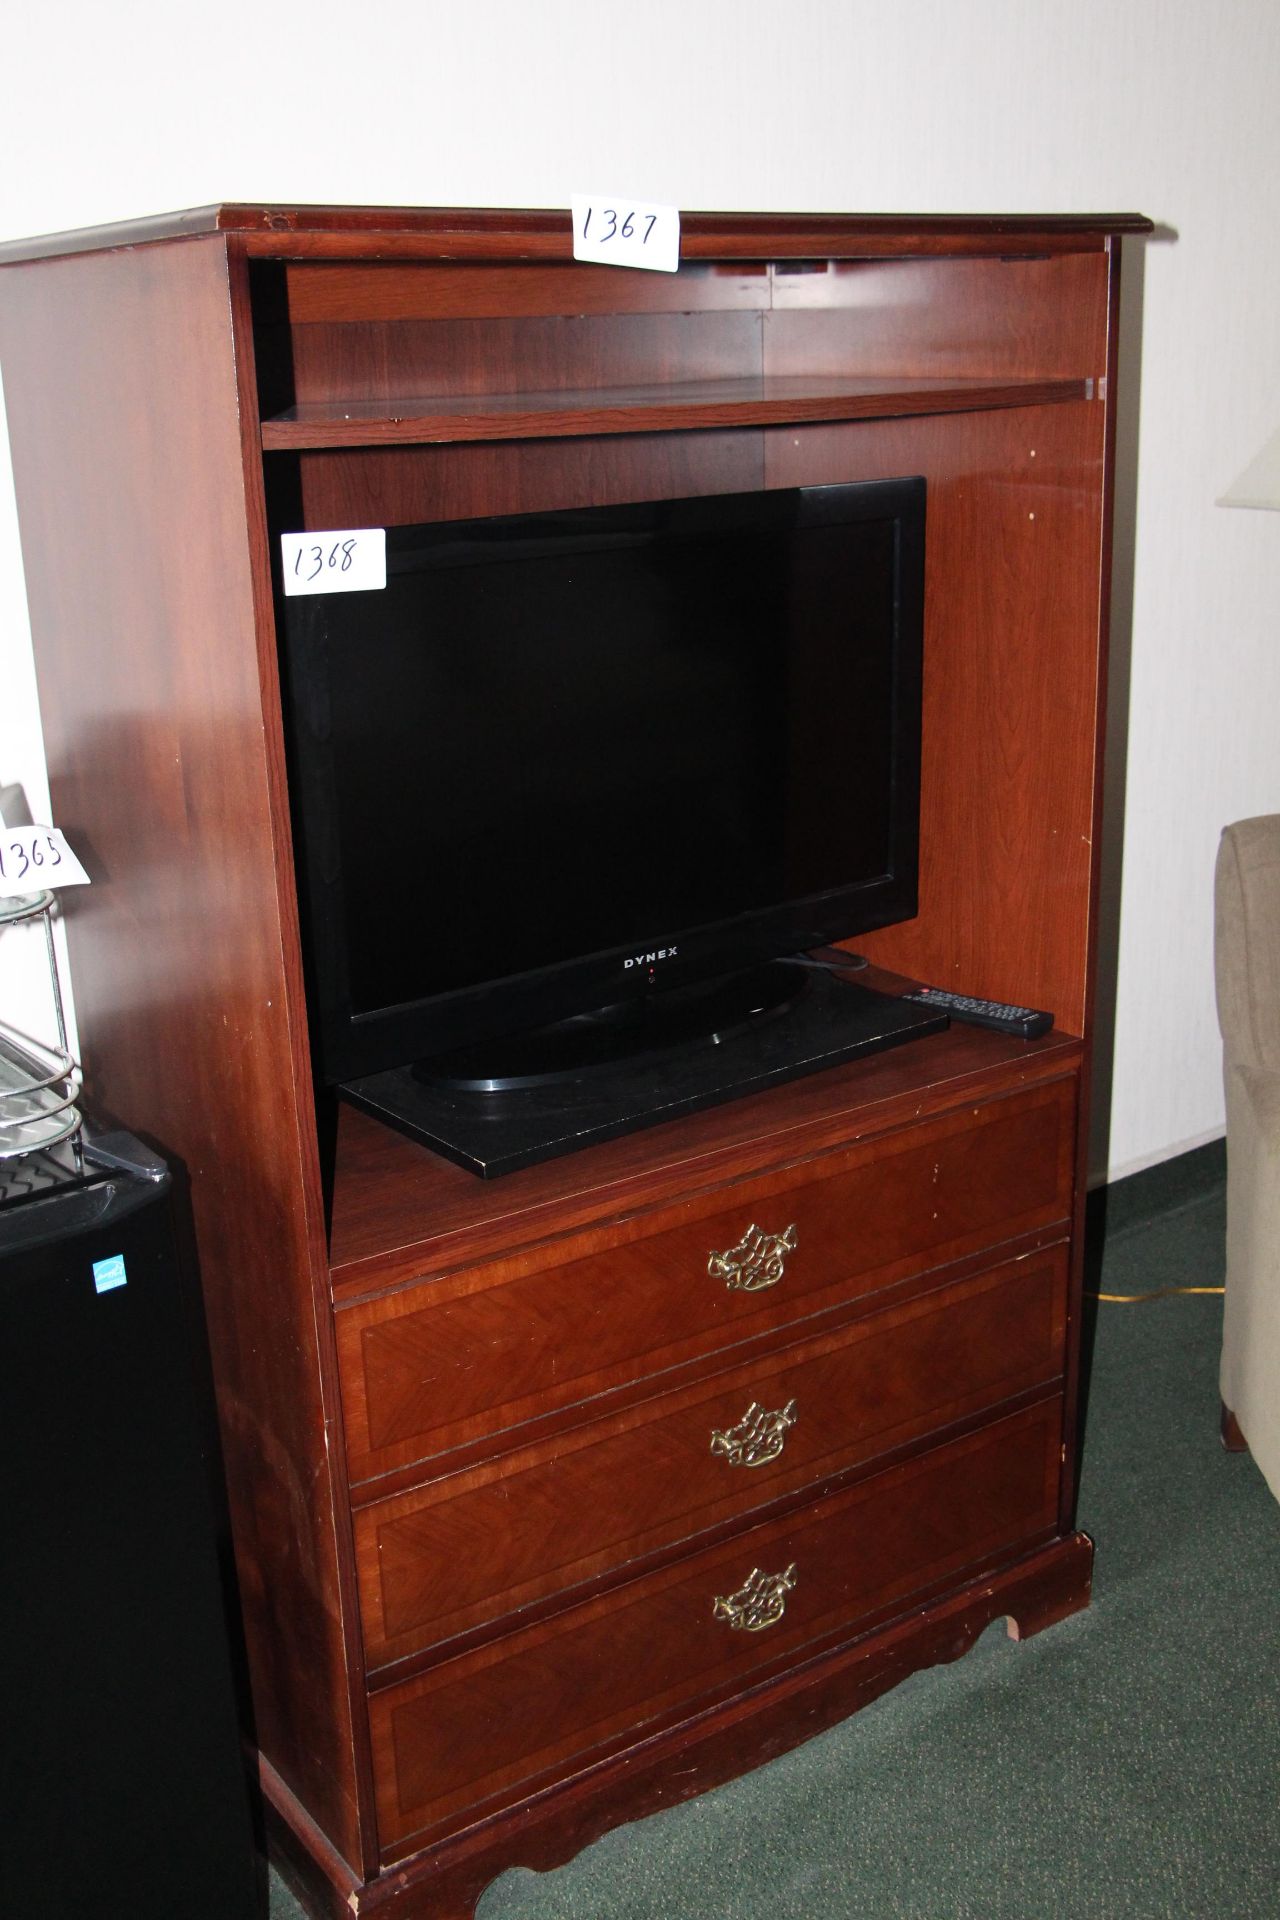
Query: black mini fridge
point(123, 1790)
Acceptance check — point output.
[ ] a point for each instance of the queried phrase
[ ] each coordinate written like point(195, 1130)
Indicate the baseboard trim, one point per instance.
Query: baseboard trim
point(1182, 1179)
point(1146, 1162)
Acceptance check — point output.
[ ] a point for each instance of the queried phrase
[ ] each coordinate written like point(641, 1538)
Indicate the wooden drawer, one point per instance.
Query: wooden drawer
point(471, 1355)
point(484, 1730)
point(476, 1546)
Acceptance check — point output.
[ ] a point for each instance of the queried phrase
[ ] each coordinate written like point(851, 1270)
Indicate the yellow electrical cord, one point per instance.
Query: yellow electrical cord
point(1157, 1293)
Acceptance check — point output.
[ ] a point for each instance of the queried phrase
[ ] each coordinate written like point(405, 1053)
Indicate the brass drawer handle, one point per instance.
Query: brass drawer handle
point(760, 1601)
point(757, 1260)
point(758, 1437)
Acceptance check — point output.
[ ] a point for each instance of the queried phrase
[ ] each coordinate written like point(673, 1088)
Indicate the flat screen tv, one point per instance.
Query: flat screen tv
point(601, 758)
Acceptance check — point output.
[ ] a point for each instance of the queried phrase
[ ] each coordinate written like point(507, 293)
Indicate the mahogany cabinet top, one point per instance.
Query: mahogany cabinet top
point(545, 234)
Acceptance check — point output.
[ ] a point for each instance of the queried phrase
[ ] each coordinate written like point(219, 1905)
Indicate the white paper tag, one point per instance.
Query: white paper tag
point(353, 560)
point(617, 232)
point(34, 858)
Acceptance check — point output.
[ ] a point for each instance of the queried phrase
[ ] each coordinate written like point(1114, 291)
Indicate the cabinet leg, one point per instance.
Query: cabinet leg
point(1042, 1603)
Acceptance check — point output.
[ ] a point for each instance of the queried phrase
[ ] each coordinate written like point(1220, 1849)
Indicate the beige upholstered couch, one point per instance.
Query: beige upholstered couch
point(1247, 934)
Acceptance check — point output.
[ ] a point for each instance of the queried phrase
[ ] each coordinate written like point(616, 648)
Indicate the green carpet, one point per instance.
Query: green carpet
point(1124, 1763)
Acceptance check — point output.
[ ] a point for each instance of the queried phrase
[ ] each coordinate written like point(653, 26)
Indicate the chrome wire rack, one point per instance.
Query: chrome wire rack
point(39, 1084)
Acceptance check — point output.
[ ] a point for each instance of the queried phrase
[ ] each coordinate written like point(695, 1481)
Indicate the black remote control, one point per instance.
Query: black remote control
point(1025, 1022)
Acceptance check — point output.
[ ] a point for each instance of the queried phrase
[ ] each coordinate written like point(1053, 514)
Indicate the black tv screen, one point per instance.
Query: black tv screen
point(571, 756)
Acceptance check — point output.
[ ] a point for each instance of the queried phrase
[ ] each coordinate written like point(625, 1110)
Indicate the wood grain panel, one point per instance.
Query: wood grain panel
point(393, 290)
point(1003, 319)
point(121, 382)
point(485, 1729)
point(395, 487)
point(1011, 690)
point(479, 1545)
point(384, 361)
point(428, 1368)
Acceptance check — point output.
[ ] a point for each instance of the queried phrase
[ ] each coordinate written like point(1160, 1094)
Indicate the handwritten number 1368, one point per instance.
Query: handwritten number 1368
point(624, 231)
point(339, 559)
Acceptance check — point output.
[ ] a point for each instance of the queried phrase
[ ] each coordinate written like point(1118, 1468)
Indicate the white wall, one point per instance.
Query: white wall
point(1015, 105)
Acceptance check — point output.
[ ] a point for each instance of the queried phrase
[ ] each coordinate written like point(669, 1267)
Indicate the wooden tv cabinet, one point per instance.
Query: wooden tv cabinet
point(562, 1497)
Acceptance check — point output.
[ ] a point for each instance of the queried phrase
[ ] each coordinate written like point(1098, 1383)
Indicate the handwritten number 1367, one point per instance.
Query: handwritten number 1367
point(339, 559)
point(625, 231)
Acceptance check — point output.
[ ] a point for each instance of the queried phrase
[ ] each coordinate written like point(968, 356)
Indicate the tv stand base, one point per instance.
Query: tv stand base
point(832, 1019)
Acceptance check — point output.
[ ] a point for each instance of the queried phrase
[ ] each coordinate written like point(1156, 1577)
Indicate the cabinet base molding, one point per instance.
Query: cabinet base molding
point(445, 1882)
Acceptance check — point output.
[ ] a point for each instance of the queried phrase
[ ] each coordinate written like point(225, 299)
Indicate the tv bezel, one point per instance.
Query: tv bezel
point(350, 1044)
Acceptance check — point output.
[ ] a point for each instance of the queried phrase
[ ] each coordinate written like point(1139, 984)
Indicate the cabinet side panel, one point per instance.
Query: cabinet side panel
point(120, 380)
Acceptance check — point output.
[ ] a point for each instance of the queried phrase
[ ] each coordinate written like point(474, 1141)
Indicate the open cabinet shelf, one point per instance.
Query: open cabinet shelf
point(677, 407)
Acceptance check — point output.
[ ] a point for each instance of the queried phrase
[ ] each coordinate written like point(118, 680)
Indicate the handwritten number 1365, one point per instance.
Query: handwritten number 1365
point(338, 560)
point(625, 231)
point(21, 859)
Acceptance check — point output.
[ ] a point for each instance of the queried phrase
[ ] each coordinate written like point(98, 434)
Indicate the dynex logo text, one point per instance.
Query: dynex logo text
point(650, 959)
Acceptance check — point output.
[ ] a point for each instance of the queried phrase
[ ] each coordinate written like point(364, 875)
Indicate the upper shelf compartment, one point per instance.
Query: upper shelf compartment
point(394, 353)
point(761, 401)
